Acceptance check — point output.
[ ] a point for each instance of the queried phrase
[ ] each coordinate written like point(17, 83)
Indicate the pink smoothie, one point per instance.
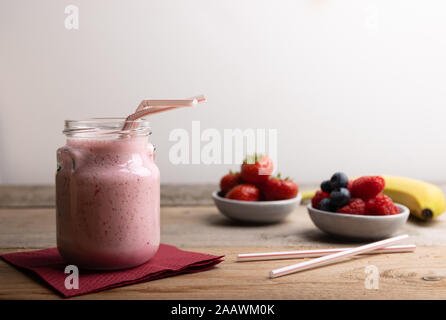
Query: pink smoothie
point(108, 200)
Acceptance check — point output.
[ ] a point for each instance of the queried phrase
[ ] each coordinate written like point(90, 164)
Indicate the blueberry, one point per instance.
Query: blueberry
point(340, 198)
point(325, 204)
point(339, 180)
point(326, 186)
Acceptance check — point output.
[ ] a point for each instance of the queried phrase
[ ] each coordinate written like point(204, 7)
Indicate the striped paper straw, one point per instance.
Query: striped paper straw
point(331, 258)
point(149, 107)
point(300, 254)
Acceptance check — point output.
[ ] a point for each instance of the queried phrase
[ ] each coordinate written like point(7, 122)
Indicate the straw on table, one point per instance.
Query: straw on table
point(334, 257)
point(300, 254)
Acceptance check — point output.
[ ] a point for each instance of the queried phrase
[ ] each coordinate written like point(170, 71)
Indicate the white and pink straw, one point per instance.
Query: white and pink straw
point(301, 254)
point(334, 257)
point(149, 107)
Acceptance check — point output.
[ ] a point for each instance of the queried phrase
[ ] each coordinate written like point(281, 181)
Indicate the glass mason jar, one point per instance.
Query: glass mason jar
point(107, 194)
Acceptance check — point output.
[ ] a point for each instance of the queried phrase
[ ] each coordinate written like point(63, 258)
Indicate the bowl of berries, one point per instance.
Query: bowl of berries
point(253, 195)
point(356, 209)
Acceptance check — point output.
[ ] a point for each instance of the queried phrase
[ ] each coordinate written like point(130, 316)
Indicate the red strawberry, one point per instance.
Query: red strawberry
point(244, 192)
point(229, 181)
point(257, 169)
point(279, 189)
point(355, 206)
point(318, 196)
point(381, 205)
point(367, 187)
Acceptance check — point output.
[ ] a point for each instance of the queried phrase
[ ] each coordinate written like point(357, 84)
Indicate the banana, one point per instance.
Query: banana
point(307, 195)
point(425, 200)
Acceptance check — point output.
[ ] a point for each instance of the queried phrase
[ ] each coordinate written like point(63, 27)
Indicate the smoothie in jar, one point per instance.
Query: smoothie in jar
point(107, 195)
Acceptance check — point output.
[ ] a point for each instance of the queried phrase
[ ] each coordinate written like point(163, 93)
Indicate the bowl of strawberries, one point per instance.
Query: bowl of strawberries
point(356, 208)
point(253, 195)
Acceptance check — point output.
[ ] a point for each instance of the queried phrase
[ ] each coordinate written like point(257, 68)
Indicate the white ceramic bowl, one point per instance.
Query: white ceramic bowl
point(359, 227)
point(256, 211)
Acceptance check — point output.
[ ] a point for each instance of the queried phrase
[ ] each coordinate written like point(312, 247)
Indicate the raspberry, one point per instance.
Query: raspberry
point(381, 205)
point(367, 187)
point(319, 195)
point(349, 186)
point(355, 206)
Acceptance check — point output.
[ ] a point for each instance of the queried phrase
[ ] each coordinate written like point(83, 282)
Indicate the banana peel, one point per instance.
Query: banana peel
point(425, 200)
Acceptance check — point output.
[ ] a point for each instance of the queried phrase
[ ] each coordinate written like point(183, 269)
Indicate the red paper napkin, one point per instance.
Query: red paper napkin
point(168, 261)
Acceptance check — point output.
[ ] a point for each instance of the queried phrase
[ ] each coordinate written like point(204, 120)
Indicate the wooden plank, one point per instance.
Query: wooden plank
point(22, 196)
point(204, 229)
point(400, 278)
point(204, 226)
point(33, 196)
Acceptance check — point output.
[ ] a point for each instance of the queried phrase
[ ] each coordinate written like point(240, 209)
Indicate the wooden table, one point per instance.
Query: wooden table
point(204, 229)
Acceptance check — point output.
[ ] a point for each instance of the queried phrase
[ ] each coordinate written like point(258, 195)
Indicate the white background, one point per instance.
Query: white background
point(357, 86)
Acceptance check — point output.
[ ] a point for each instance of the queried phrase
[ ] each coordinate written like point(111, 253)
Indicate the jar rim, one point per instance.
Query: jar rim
point(106, 127)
